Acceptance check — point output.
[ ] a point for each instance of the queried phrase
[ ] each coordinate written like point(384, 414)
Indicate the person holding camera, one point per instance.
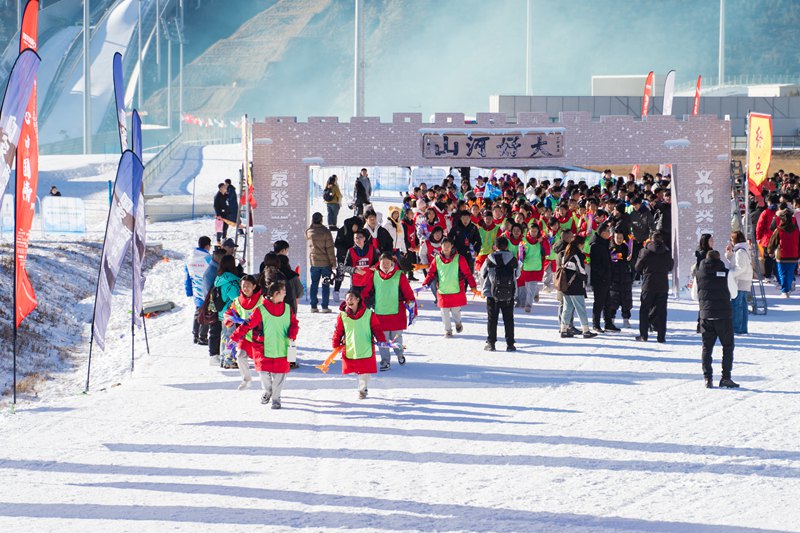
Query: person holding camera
point(322, 256)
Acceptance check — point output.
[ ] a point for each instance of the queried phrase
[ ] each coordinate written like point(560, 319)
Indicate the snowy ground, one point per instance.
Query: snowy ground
point(604, 434)
point(564, 435)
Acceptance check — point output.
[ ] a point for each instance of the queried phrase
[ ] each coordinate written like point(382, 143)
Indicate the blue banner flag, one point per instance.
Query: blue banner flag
point(119, 234)
point(12, 114)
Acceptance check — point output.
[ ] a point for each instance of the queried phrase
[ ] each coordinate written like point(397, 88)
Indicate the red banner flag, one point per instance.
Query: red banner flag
point(648, 92)
point(27, 174)
point(696, 106)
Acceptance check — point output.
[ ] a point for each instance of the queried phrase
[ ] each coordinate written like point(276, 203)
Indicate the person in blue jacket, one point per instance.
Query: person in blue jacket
point(196, 266)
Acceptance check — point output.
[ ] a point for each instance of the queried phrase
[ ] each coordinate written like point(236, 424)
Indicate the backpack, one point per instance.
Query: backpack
point(504, 283)
point(216, 299)
point(207, 314)
point(562, 279)
point(327, 195)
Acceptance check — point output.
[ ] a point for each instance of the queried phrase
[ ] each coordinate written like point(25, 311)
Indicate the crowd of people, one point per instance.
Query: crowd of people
point(502, 240)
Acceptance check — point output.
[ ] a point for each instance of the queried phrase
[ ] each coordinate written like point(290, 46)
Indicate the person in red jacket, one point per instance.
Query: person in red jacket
point(784, 247)
point(764, 233)
point(450, 271)
point(394, 298)
point(240, 310)
point(359, 260)
point(356, 327)
point(280, 327)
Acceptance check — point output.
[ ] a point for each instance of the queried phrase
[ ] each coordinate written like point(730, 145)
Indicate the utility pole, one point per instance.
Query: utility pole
point(181, 38)
point(358, 88)
point(139, 83)
point(528, 88)
point(87, 82)
point(721, 73)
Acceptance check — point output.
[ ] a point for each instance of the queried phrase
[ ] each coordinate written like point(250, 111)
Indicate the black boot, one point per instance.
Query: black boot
point(728, 383)
point(489, 347)
point(709, 382)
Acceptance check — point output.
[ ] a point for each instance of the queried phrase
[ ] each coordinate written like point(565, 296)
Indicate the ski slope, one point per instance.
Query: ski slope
point(564, 435)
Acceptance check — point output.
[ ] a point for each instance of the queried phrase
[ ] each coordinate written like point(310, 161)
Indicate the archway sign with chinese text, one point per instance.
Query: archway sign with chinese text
point(492, 144)
point(697, 147)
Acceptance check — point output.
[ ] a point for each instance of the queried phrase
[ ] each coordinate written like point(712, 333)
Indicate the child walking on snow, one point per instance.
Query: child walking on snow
point(356, 326)
point(452, 273)
point(279, 326)
point(238, 313)
point(393, 298)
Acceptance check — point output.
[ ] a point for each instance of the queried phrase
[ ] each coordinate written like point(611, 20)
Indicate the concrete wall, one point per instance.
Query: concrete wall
point(698, 147)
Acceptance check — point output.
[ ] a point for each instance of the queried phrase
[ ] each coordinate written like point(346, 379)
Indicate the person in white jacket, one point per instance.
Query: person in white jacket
point(394, 226)
point(738, 256)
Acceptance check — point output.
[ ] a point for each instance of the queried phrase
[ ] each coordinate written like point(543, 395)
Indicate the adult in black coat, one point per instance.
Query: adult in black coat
point(600, 276)
point(655, 263)
point(466, 238)
point(712, 287)
point(344, 241)
point(221, 210)
point(377, 236)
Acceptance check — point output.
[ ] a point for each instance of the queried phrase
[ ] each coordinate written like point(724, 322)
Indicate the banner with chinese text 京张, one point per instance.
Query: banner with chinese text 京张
point(759, 150)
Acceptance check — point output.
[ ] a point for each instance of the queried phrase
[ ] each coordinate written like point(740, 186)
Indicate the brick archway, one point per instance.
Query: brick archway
point(698, 147)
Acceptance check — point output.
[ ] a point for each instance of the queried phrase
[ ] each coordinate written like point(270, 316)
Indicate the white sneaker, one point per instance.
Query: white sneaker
point(335, 296)
point(244, 385)
point(214, 360)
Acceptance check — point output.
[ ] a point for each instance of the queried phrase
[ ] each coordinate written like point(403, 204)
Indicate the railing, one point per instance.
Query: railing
point(782, 143)
point(742, 79)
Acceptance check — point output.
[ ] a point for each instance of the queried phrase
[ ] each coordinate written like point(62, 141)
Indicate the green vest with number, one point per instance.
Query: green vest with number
point(533, 256)
point(276, 332)
point(357, 335)
point(488, 238)
point(387, 293)
point(448, 275)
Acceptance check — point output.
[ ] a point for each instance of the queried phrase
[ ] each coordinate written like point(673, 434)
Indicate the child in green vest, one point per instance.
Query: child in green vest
point(533, 254)
point(279, 327)
point(356, 327)
point(238, 313)
point(451, 271)
point(394, 299)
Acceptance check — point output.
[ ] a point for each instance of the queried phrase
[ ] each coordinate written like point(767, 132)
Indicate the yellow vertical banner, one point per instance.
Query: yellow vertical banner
point(759, 150)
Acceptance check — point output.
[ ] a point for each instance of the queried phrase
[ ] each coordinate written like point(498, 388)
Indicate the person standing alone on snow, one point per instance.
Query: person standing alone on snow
point(499, 273)
point(713, 288)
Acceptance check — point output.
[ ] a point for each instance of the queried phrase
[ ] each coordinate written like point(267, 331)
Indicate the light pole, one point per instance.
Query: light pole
point(139, 81)
point(721, 73)
point(528, 88)
point(358, 75)
point(87, 82)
